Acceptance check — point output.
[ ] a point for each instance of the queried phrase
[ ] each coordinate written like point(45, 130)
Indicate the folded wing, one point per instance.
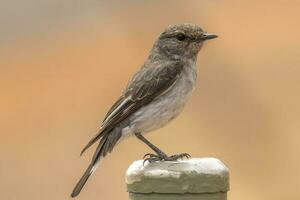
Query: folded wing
point(145, 86)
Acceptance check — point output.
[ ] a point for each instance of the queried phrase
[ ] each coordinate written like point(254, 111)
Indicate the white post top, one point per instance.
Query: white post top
point(198, 175)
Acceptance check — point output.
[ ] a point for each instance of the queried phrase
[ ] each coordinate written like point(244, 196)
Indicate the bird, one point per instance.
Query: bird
point(154, 96)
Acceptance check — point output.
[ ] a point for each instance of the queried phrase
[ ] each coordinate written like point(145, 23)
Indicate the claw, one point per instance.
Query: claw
point(146, 155)
point(179, 156)
point(149, 157)
point(186, 155)
point(145, 161)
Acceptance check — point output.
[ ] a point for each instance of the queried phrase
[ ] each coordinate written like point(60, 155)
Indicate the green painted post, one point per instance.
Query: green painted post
point(193, 179)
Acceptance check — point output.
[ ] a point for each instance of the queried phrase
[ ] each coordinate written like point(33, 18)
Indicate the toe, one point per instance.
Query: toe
point(150, 155)
point(185, 155)
point(179, 156)
point(151, 160)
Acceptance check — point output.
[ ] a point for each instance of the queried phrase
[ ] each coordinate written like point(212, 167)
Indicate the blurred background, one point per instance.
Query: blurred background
point(63, 64)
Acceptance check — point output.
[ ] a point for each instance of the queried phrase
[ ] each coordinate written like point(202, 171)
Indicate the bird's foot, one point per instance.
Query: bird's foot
point(179, 156)
point(153, 157)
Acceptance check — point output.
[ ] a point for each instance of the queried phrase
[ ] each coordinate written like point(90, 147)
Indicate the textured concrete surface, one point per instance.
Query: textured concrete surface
point(154, 196)
point(198, 178)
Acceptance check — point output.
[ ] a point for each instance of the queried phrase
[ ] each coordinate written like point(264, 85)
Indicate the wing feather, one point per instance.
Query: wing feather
point(145, 86)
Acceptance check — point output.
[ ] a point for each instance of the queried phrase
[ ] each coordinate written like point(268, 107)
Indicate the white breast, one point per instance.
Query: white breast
point(166, 107)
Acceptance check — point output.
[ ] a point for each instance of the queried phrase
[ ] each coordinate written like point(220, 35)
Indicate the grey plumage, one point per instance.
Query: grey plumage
point(155, 95)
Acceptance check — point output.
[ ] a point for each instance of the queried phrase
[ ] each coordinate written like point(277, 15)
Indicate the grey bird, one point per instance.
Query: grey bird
point(154, 96)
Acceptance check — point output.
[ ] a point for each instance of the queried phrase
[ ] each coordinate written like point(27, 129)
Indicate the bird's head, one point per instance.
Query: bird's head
point(182, 41)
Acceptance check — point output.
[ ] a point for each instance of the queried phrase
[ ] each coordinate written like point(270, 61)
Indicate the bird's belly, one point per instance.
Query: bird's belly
point(163, 109)
point(156, 115)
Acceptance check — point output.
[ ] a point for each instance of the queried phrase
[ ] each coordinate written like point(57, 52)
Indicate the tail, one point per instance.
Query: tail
point(106, 145)
point(88, 172)
point(91, 168)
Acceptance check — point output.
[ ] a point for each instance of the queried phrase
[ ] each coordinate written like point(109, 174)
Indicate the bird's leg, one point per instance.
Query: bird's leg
point(160, 154)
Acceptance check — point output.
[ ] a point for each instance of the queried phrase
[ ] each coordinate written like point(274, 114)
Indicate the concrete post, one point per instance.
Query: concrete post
point(193, 179)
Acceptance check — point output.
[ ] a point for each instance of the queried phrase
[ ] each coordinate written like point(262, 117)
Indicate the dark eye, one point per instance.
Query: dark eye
point(181, 37)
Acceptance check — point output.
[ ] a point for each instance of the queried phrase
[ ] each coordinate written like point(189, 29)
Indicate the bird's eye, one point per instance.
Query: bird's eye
point(181, 37)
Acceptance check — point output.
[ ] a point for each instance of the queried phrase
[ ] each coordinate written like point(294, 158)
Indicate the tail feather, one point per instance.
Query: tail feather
point(105, 146)
point(88, 172)
point(93, 140)
point(91, 168)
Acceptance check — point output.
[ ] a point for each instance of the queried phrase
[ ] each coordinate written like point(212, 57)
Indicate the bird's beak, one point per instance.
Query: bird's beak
point(207, 36)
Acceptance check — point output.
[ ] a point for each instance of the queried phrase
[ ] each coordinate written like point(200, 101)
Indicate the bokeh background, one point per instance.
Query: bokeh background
point(63, 63)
